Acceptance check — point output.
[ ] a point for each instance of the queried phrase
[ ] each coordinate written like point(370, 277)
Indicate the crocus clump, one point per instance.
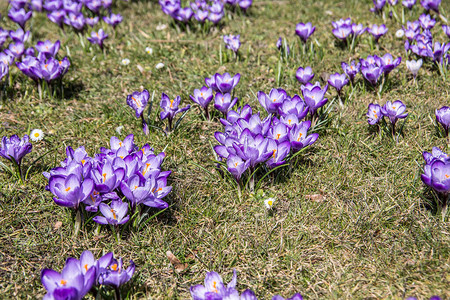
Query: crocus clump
point(232, 42)
point(200, 10)
point(78, 277)
point(123, 171)
point(443, 118)
point(392, 110)
point(436, 173)
point(345, 30)
point(223, 86)
point(249, 142)
point(351, 70)
point(215, 288)
point(374, 66)
point(14, 149)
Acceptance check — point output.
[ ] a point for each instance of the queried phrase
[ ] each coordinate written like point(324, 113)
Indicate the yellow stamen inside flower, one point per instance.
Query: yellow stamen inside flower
point(63, 282)
point(215, 288)
point(114, 214)
point(274, 151)
point(138, 103)
point(447, 176)
point(299, 136)
point(114, 267)
point(135, 187)
point(289, 122)
point(235, 165)
point(86, 267)
point(92, 198)
point(275, 99)
point(376, 116)
point(270, 202)
point(278, 135)
point(171, 103)
point(393, 107)
point(46, 67)
point(68, 189)
point(120, 144)
point(104, 177)
point(36, 134)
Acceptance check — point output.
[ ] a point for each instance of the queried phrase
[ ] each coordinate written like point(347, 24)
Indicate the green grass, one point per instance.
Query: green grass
point(373, 235)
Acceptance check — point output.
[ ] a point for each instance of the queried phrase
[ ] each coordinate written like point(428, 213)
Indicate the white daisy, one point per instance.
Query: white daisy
point(36, 135)
point(399, 33)
point(159, 66)
point(149, 50)
point(269, 202)
point(125, 61)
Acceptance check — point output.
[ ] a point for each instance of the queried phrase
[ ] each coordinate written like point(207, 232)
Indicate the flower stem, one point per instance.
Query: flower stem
point(117, 293)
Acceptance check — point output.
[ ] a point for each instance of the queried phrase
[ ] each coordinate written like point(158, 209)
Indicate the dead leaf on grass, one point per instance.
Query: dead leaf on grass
point(315, 197)
point(57, 225)
point(176, 262)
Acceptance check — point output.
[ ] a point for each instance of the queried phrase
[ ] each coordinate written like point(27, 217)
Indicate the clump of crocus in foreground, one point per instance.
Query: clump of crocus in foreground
point(78, 277)
point(215, 288)
point(436, 173)
point(14, 149)
point(116, 180)
point(392, 110)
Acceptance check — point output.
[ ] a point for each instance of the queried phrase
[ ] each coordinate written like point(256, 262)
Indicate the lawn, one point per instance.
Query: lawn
point(352, 218)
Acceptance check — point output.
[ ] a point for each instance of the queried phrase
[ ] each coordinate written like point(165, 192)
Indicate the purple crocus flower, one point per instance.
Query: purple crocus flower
point(71, 283)
point(114, 214)
point(431, 4)
point(426, 22)
point(57, 17)
point(232, 42)
point(115, 274)
point(358, 29)
point(94, 5)
point(113, 20)
point(338, 81)
point(107, 178)
point(201, 15)
point(394, 111)
point(279, 152)
point(18, 4)
point(304, 31)
point(374, 114)
point(170, 108)
point(19, 16)
point(19, 35)
point(388, 63)
point(29, 65)
point(371, 72)
point(304, 75)
point(214, 287)
point(273, 101)
point(52, 5)
point(49, 69)
point(48, 48)
point(76, 20)
point(15, 148)
point(351, 69)
point(98, 38)
point(314, 96)
point(4, 70)
point(378, 5)
point(29, 51)
point(342, 32)
point(245, 4)
point(137, 189)
point(6, 58)
point(341, 22)
point(138, 101)
point(36, 5)
point(299, 138)
point(72, 7)
point(70, 191)
point(377, 31)
point(443, 117)
point(237, 166)
point(223, 83)
point(294, 297)
point(223, 102)
point(203, 97)
point(408, 3)
point(92, 21)
point(16, 49)
point(437, 176)
point(295, 106)
point(215, 17)
point(184, 14)
point(446, 29)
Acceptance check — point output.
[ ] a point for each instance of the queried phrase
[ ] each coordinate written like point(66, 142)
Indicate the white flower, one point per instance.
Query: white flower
point(161, 27)
point(125, 61)
point(36, 135)
point(414, 66)
point(400, 33)
point(159, 66)
point(119, 129)
point(149, 50)
point(269, 202)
